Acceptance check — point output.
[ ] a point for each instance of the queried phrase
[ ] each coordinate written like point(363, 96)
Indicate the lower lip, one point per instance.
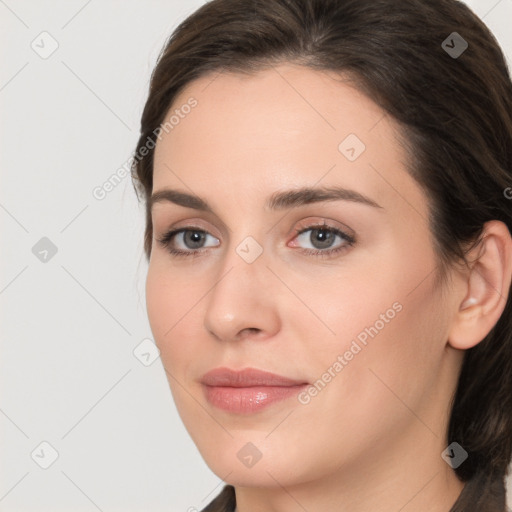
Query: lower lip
point(249, 400)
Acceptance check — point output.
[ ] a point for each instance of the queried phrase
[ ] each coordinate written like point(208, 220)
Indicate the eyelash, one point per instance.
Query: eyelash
point(165, 241)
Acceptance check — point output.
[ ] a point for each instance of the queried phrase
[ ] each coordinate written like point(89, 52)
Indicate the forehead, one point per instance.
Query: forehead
point(245, 113)
point(283, 126)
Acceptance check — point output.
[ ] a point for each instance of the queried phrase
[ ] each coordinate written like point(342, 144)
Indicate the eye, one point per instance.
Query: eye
point(323, 240)
point(186, 241)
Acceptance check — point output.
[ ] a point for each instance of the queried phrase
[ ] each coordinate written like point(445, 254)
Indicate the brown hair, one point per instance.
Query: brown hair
point(455, 112)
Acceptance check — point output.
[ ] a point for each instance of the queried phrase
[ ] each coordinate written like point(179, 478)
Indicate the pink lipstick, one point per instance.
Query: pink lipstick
point(249, 390)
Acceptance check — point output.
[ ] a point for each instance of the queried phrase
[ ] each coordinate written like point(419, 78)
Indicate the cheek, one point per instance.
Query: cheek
point(391, 374)
point(386, 352)
point(159, 303)
point(170, 303)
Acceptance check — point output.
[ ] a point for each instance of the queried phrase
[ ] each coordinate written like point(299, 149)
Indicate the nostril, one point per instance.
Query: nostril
point(249, 330)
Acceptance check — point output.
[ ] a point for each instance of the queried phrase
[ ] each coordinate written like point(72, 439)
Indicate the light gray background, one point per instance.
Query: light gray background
point(69, 325)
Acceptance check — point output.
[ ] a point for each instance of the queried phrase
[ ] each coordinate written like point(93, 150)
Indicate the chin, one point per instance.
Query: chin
point(242, 463)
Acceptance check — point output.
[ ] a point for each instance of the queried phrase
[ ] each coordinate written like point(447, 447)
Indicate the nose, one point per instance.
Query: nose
point(242, 302)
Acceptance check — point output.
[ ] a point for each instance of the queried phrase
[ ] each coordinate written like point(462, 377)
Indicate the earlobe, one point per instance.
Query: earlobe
point(487, 287)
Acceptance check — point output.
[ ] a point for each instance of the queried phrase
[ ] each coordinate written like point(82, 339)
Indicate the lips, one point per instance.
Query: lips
point(249, 377)
point(249, 390)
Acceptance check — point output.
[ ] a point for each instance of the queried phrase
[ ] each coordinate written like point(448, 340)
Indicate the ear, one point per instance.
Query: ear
point(486, 287)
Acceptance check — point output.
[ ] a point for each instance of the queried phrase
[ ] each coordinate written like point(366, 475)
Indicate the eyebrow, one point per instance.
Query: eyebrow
point(277, 201)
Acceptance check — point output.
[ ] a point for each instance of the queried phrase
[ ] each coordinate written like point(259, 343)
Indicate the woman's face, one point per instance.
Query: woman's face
point(324, 287)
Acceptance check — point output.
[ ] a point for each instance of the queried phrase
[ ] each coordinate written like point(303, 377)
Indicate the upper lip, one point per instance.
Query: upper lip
point(248, 377)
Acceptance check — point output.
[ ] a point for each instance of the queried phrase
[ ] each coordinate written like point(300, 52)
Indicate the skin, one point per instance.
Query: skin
point(372, 438)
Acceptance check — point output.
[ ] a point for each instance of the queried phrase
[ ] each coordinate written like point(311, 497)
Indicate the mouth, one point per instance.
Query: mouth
point(248, 391)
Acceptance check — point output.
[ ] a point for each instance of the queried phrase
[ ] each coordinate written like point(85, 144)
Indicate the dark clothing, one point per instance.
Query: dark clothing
point(480, 494)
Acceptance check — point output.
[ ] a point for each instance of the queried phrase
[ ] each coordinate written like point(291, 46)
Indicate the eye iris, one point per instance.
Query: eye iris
point(192, 238)
point(321, 238)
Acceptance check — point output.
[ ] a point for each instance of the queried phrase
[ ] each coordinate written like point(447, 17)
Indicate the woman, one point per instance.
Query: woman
point(327, 188)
